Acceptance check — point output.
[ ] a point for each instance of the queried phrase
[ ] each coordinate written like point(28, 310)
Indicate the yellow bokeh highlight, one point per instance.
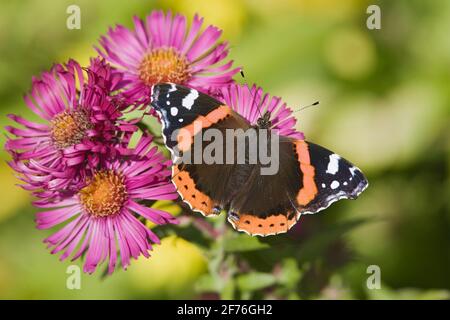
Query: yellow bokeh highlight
point(327, 9)
point(12, 196)
point(350, 53)
point(81, 52)
point(172, 269)
point(228, 15)
point(341, 8)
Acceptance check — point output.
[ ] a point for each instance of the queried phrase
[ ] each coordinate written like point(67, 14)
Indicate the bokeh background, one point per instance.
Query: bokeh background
point(384, 103)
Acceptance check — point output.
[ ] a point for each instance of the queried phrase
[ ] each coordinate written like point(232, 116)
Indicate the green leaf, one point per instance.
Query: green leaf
point(290, 273)
point(318, 243)
point(207, 283)
point(228, 290)
point(386, 293)
point(243, 242)
point(255, 281)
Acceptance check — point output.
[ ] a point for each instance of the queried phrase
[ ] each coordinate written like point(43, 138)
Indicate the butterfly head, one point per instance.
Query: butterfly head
point(264, 122)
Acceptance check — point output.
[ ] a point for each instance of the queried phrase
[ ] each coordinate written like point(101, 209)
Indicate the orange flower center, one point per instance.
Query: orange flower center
point(69, 128)
point(105, 195)
point(164, 65)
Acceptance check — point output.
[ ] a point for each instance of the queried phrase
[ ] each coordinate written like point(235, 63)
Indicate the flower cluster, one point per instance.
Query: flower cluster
point(83, 125)
point(162, 48)
point(79, 160)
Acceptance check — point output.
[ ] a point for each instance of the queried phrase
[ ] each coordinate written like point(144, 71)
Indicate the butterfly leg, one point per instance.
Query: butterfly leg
point(234, 216)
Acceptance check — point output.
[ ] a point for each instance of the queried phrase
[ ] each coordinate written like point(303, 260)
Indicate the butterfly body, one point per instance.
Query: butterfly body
point(308, 178)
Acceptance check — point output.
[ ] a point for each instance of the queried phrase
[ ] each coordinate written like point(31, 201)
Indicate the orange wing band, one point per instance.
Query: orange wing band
point(270, 225)
point(186, 188)
point(185, 137)
point(309, 190)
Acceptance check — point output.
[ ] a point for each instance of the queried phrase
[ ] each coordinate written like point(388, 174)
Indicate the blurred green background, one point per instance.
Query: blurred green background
point(384, 104)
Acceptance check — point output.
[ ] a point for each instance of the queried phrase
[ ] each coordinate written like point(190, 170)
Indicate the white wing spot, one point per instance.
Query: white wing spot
point(172, 87)
point(174, 111)
point(180, 120)
point(323, 185)
point(333, 164)
point(345, 183)
point(353, 170)
point(335, 184)
point(168, 102)
point(188, 101)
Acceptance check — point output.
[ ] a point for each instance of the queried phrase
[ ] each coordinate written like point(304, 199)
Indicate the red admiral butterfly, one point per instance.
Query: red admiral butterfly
point(310, 178)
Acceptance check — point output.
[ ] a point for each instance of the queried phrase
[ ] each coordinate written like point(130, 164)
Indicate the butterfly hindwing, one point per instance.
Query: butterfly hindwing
point(196, 195)
point(265, 204)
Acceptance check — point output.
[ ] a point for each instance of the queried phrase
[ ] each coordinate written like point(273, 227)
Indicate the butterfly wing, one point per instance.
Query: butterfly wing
point(179, 106)
point(335, 178)
point(265, 204)
point(310, 179)
point(206, 188)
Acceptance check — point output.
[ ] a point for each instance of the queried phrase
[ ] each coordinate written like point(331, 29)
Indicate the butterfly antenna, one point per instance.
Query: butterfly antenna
point(302, 108)
point(258, 107)
point(308, 106)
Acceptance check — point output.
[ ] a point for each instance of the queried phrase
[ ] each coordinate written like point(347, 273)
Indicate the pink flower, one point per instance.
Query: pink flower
point(163, 49)
point(252, 103)
point(103, 219)
point(82, 124)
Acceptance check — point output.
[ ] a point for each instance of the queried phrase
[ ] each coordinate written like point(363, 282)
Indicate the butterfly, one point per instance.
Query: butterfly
point(309, 177)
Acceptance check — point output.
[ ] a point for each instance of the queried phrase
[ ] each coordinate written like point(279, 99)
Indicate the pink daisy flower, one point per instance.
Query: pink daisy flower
point(252, 103)
point(103, 219)
point(163, 49)
point(82, 124)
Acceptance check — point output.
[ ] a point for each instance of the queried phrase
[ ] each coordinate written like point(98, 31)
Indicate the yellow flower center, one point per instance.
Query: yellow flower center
point(164, 65)
point(105, 195)
point(69, 128)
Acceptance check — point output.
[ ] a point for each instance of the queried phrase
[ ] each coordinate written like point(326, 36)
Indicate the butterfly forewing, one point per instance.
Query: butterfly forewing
point(335, 178)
